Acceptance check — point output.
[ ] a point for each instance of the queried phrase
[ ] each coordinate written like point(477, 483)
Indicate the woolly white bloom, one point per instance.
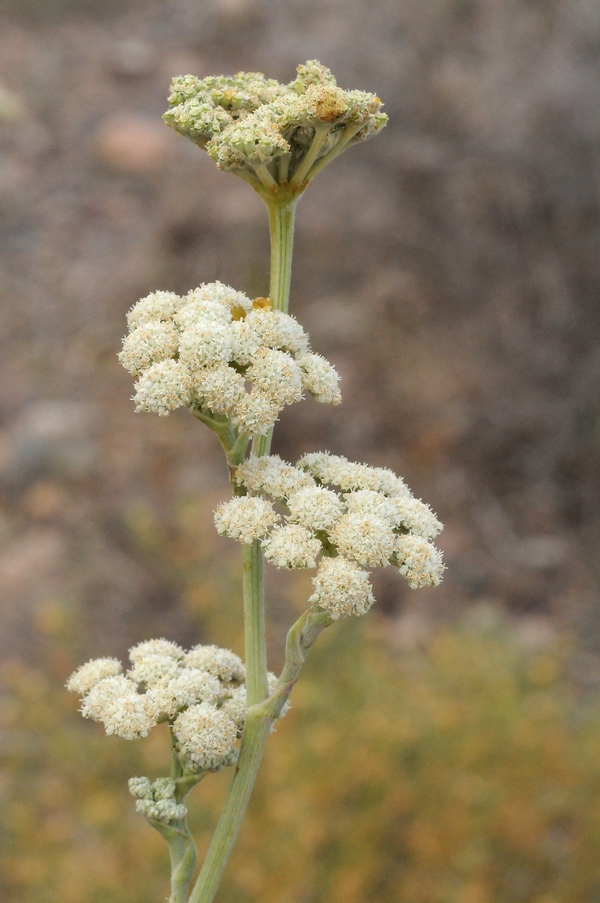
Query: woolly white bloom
point(315, 507)
point(162, 647)
point(291, 546)
point(365, 538)
point(276, 374)
point(342, 588)
point(205, 342)
point(206, 736)
point(255, 414)
point(151, 669)
point(87, 676)
point(220, 388)
point(194, 312)
point(104, 694)
point(163, 387)
point(272, 475)
point(416, 517)
point(156, 306)
point(245, 342)
point(188, 687)
point(339, 471)
point(419, 561)
point(245, 518)
point(150, 342)
point(390, 484)
point(278, 330)
point(221, 663)
point(235, 708)
point(367, 501)
point(221, 294)
point(123, 711)
point(320, 378)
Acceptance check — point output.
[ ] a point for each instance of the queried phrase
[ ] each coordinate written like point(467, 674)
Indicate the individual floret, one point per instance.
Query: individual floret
point(278, 330)
point(365, 538)
point(221, 663)
point(419, 561)
point(342, 588)
point(87, 676)
point(416, 517)
point(188, 687)
point(320, 378)
point(148, 343)
point(272, 475)
point(206, 737)
point(163, 387)
point(245, 519)
point(315, 507)
point(156, 306)
point(276, 375)
point(291, 546)
point(204, 343)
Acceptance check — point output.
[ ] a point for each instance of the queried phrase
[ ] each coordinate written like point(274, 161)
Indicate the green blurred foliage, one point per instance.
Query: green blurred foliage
point(464, 772)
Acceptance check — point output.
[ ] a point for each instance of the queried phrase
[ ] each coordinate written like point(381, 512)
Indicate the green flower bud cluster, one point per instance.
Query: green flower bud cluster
point(273, 135)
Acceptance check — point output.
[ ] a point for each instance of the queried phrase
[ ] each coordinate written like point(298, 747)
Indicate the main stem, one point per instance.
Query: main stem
point(258, 726)
point(281, 228)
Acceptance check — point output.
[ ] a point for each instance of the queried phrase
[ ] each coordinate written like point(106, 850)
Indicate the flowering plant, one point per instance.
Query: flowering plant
point(235, 363)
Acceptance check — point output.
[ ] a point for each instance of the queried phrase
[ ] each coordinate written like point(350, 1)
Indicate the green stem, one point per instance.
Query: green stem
point(182, 851)
point(254, 623)
point(255, 736)
point(281, 225)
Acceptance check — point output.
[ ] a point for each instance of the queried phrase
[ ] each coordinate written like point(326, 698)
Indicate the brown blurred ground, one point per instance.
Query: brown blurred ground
point(449, 269)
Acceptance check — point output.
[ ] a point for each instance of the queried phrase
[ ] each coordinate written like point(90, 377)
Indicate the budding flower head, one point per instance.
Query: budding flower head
point(275, 136)
point(205, 349)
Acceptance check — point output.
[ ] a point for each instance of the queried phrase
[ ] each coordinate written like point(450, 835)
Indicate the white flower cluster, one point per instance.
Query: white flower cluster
point(357, 516)
point(165, 683)
point(267, 131)
point(202, 350)
point(157, 800)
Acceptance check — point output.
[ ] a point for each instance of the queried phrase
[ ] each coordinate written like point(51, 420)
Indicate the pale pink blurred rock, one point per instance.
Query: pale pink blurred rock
point(133, 143)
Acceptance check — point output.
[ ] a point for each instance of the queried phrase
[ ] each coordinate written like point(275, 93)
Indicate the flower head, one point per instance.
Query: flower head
point(271, 134)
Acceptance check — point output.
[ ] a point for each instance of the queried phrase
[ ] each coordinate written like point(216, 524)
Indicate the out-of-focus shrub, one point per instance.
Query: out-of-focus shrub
point(466, 771)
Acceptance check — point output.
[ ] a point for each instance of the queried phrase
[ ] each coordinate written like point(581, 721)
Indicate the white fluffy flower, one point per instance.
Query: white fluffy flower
point(245, 519)
point(272, 475)
point(416, 517)
point(278, 330)
point(291, 546)
point(320, 378)
point(315, 507)
point(367, 501)
point(342, 588)
point(220, 388)
point(339, 471)
point(221, 663)
point(194, 312)
point(235, 708)
point(419, 561)
point(188, 687)
point(123, 711)
point(365, 538)
point(255, 414)
point(163, 647)
point(245, 342)
point(163, 387)
point(148, 343)
point(206, 736)
point(87, 676)
point(276, 374)
point(205, 342)
point(151, 669)
point(156, 306)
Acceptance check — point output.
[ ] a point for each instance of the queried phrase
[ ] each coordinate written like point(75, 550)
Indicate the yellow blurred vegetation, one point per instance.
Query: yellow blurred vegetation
point(466, 771)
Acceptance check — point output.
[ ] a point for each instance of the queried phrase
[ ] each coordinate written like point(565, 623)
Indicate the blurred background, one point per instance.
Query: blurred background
point(446, 749)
